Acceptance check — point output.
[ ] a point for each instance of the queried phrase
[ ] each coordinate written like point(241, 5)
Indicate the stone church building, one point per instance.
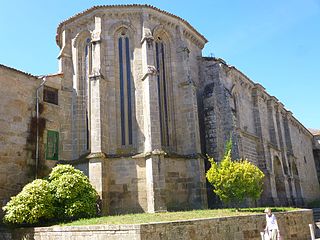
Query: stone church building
point(137, 108)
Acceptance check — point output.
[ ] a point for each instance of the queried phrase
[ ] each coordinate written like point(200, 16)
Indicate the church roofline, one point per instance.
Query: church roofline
point(89, 10)
point(220, 60)
point(315, 132)
point(18, 71)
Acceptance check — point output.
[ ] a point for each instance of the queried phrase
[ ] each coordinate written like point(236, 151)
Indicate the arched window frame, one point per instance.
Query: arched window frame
point(124, 82)
point(84, 67)
point(162, 53)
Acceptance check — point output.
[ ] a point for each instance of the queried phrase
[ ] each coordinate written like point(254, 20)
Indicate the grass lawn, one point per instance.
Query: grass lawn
point(170, 216)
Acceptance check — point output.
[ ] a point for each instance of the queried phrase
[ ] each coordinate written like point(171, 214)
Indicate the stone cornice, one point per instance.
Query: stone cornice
point(138, 7)
point(243, 80)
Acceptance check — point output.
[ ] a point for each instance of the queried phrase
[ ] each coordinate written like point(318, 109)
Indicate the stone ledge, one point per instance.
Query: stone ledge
point(293, 225)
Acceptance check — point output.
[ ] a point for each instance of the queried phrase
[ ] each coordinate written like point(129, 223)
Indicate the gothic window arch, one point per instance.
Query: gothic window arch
point(84, 49)
point(162, 62)
point(124, 56)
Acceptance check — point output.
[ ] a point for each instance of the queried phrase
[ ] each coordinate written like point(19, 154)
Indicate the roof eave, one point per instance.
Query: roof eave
point(59, 28)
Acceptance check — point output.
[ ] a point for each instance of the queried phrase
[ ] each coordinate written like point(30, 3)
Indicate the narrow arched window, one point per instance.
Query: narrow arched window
point(162, 90)
point(125, 88)
point(85, 94)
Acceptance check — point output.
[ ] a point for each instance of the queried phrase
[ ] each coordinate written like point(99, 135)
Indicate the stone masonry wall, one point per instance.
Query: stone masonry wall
point(217, 112)
point(127, 190)
point(316, 152)
point(16, 154)
point(302, 150)
point(185, 184)
point(110, 98)
point(264, 132)
point(293, 226)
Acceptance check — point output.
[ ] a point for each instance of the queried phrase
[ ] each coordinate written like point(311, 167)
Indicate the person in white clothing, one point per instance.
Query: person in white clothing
point(271, 224)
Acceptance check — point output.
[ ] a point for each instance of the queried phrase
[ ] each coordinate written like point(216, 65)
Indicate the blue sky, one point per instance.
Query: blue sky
point(275, 42)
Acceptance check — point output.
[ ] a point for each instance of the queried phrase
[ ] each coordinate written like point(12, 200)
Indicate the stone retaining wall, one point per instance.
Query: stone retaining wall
point(293, 226)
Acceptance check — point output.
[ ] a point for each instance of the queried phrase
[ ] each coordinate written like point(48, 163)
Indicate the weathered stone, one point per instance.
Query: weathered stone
point(138, 108)
point(240, 228)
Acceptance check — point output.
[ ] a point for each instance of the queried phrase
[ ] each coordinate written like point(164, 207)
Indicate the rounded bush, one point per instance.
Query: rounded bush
point(32, 204)
point(74, 196)
point(66, 194)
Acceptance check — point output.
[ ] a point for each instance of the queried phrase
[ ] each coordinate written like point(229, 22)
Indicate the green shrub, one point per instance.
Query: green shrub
point(66, 194)
point(33, 203)
point(74, 196)
point(234, 181)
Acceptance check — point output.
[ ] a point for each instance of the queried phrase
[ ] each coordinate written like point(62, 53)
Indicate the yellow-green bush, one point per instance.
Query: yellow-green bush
point(74, 196)
point(234, 181)
point(66, 194)
point(32, 204)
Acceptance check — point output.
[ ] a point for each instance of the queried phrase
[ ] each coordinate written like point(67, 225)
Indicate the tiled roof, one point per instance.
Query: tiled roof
point(16, 70)
point(124, 6)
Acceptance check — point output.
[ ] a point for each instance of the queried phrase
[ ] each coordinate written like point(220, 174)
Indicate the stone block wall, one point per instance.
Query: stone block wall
point(185, 184)
point(117, 90)
point(16, 153)
point(316, 151)
point(293, 226)
point(263, 132)
point(180, 183)
point(219, 122)
point(127, 189)
point(183, 48)
point(52, 113)
point(302, 150)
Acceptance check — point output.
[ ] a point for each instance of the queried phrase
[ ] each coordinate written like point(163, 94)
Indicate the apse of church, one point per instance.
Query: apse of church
point(134, 113)
point(136, 107)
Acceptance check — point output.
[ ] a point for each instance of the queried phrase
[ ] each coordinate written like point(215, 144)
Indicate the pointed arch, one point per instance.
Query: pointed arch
point(161, 31)
point(279, 180)
point(164, 83)
point(123, 34)
point(122, 25)
point(83, 46)
point(298, 199)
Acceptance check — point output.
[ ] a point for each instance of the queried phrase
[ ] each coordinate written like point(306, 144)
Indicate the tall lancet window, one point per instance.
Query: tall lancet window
point(86, 93)
point(125, 88)
point(162, 91)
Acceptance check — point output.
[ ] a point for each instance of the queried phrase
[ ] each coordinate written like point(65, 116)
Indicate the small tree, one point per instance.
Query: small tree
point(234, 181)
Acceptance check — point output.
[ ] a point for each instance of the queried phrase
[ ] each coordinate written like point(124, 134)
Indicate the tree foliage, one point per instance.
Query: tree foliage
point(74, 196)
point(33, 203)
point(65, 194)
point(234, 181)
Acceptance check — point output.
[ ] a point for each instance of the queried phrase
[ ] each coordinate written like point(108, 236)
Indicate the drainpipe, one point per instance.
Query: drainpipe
point(44, 78)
